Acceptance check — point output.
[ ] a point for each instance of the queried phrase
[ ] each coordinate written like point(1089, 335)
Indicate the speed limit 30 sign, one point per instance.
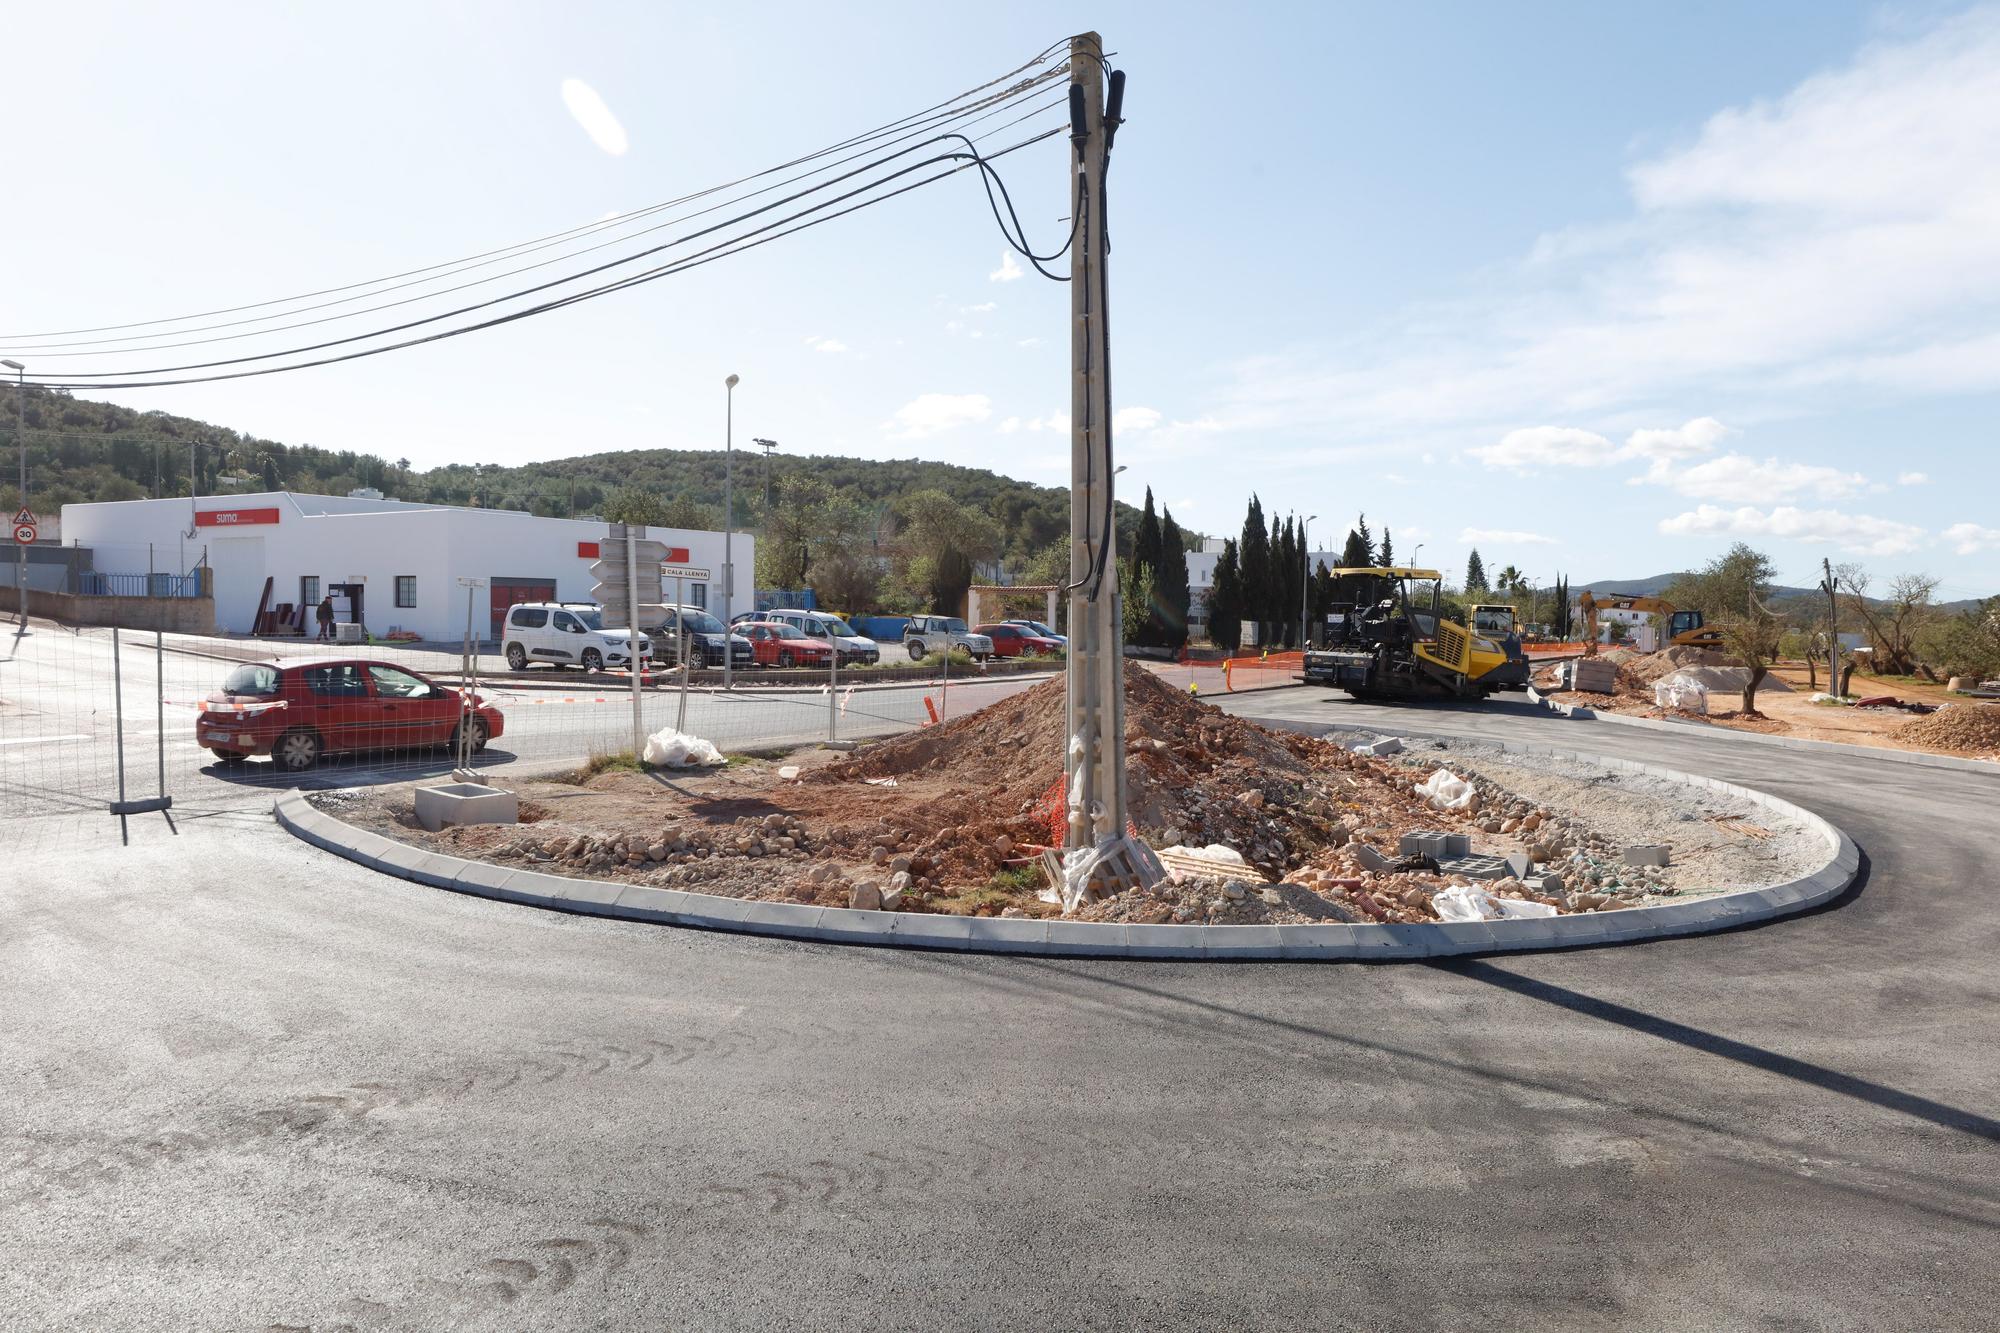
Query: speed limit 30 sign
point(24, 533)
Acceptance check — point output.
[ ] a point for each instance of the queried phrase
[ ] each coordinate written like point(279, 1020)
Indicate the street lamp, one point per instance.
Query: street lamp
point(769, 447)
point(1305, 585)
point(728, 520)
point(21, 438)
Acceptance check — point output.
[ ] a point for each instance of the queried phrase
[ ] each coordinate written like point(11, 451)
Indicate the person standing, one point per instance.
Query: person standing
point(325, 615)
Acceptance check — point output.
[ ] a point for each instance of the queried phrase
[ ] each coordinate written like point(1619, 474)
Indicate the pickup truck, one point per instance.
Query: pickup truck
point(939, 634)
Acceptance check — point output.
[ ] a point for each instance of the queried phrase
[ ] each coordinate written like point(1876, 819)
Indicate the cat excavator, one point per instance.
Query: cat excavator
point(1684, 628)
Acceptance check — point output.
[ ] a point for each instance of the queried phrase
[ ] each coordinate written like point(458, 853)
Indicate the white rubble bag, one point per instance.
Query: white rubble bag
point(667, 748)
point(1445, 790)
point(1469, 902)
point(1682, 692)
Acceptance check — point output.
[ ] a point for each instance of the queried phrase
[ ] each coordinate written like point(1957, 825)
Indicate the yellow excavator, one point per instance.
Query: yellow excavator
point(1684, 628)
point(1392, 644)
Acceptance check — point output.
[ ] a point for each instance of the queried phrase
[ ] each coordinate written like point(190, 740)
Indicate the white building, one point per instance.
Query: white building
point(1201, 578)
point(404, 560)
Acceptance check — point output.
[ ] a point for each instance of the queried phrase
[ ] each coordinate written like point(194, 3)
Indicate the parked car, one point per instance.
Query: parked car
point(705, 637)
point(1012, 640)
point(774, 643)
point(1037, 627)
point(940, 634)
point(567, 634)
point(297, 711)
point(827, 627)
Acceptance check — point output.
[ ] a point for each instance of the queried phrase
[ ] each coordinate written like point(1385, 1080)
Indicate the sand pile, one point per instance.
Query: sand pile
point(1968, 728)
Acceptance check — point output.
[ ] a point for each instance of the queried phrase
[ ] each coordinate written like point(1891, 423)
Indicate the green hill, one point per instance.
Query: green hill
point(82, 450)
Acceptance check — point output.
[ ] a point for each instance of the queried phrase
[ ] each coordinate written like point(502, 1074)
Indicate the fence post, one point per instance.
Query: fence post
point(832, 686)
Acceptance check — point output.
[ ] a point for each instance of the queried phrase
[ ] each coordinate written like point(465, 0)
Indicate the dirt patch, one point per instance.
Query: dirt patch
point(952, 818)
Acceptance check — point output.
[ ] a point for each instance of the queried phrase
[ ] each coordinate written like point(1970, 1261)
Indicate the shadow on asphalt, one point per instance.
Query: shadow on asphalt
point(1727, 1048)
point(355, 769)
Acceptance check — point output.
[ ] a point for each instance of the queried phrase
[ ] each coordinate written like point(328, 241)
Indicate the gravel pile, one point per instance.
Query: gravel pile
point(1966, 728)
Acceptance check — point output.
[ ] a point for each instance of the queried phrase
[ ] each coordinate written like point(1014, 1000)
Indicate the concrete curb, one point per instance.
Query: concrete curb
point(1091, 939)
point(1915, 758)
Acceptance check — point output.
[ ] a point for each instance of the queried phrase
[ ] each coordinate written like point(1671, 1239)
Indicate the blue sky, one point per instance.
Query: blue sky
point(1597, 288)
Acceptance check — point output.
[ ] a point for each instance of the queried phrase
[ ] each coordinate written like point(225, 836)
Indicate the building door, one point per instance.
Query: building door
point(506, 592)
point(238, 563)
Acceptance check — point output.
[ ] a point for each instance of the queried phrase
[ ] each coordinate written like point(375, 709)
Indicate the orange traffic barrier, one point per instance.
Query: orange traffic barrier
point(930, 708)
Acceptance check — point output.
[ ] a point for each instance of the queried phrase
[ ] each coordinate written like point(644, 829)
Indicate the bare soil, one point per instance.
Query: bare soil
point(952, 818)
point(1793, 713)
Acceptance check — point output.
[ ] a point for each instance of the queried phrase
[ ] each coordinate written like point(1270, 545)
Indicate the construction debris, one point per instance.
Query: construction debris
point(1960, 727)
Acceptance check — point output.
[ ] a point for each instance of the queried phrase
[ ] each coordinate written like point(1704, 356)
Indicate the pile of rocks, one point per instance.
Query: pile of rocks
point(750, 837)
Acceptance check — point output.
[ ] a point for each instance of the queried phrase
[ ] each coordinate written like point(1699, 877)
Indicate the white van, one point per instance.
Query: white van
point(823, 626)
point(567, 634)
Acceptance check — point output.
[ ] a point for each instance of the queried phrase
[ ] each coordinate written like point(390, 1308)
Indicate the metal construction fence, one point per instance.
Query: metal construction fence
point(105, 718)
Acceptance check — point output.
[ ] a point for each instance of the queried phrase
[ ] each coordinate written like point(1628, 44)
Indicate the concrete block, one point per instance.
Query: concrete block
point(1458, 844)
point(1370, 858)
point(1387, 745)
point(1434, 845)
point(1149, 941)
point(1518, 864)
point(1322, 940)
point(1476, 867)
point(1238, 941)
point(465, 803)
point(1646, 854)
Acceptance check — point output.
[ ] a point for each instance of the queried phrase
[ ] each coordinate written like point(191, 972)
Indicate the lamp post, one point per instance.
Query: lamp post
point(21, 438)
point(1305, 585)
point(728, 522)
point(769, 447)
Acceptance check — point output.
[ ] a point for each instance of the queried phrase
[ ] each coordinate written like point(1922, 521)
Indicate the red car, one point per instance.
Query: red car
point(1017, 641)
point(776, 644)
point(295, 712)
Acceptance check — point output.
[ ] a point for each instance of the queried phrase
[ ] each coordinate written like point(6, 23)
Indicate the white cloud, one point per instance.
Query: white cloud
point(1010, 425)
point(590, 112)
point(1029, 342)
point(1741, 478)
point(1134, 419)
point(1971, 539)
point(831, 345)
point(1913, 479)
point(983, 308)
point(930, 413)
point(1546, 446)
point(1862, 534)
point(1697, 437)
point(1504, 537)
point(1008, 270)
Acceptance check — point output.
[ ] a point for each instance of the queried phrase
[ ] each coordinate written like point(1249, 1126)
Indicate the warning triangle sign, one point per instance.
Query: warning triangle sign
point(26, 515)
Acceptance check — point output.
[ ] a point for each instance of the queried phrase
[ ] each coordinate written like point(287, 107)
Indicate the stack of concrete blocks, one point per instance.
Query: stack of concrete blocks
point(1588, 673)
point(1438, 846)
point(1646, 854)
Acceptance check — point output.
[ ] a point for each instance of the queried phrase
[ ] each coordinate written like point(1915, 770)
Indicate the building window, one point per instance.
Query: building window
point(698, 594)
point(309, 590)
point(406, 591)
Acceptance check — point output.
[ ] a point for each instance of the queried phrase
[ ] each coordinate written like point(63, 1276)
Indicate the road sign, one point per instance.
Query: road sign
point(684, 572)
point(24, 533)
point(26, 516)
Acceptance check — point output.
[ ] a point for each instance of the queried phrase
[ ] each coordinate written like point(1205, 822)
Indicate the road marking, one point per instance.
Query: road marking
point(45, 740)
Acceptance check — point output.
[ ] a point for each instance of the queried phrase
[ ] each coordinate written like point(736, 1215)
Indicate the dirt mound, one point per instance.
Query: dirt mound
point(1015, 748)
point(1637, 671)
point(1969, 728)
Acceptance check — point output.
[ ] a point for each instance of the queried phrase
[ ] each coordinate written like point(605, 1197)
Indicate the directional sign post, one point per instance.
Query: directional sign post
point(614, 589)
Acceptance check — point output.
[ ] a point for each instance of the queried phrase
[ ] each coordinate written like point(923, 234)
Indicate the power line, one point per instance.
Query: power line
point(734, 245)
point(995, 107)
point(934, 111)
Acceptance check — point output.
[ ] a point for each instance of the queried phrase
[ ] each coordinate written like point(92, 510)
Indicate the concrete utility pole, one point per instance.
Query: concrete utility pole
point(1305, 588)
point(728, 520)
point(1831, 587)
point(1099, 859)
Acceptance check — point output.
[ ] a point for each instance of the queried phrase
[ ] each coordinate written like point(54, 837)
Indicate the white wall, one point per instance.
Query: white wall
point(341, 539)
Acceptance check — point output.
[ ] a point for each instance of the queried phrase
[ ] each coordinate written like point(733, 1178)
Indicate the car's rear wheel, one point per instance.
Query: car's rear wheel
point(297, 750)
point(916, 650)
point(592, 660)
point(785, 659)
point(479, 734)
point(517, 657)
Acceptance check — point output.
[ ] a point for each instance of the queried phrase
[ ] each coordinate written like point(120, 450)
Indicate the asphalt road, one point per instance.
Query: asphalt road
point(251, 1086)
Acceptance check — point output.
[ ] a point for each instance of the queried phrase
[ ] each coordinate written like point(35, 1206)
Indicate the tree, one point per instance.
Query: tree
point(690, 515)
point(1291, 584)
point(1253, 562)
point(1509, 582)
point(1967, 644)
point(1146, 547)
point(270, 473)
point(1730, 584)
point(938, 543)
point(794, 526)
point(1172, 583)
point(1388, 551)
point(1136, 593)
point(1367, 541)
point(629, 504)
point(1897, 622)
point(1225, 599)
point(1752, 638)
point(1322, 600)
point(1475, 573)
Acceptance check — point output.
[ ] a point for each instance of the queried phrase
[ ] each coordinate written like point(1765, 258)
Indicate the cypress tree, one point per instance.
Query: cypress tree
point(1171, 582)
point(1225, 599)
point(1146, 549)
point(1253, 563)
point(1388, 551)
point(1475, 572)
point(1367, 542)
